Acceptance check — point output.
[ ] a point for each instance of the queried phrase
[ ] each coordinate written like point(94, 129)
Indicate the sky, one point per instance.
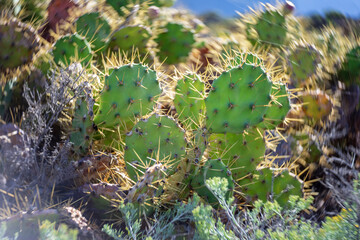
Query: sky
point(227, 8)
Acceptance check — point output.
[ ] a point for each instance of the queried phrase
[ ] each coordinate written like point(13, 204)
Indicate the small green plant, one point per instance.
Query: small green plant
point(132, 224)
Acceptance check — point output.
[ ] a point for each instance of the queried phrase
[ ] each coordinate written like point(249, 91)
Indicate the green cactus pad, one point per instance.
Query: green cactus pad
point(175, 43)
point(279, 108)
point(303, 61)
point(82, 127)
point(95, 29)
point(189, 101)
point(238, 99)
point(18, 43)
point(72, 48)
point(350, 71)
point(241, 153)
point(270, 28)
point(129, 92)
point(154, 140)
point(268, 185)
point(129, 37)
point(212, 168)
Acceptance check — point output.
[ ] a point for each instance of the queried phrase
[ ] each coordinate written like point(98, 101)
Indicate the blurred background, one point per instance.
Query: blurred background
point(227, 8)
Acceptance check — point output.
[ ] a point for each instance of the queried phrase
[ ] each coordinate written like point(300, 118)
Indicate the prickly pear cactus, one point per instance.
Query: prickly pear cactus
point(130, 91)
point(129, 37)
point(303, 62)
point(18, 43)
point(189, 101)
point(154, 140)
point(82, 126)
point(350, 70)
point(267, 184)
point(72, 48)
point(238, 99)
point(95, 29)
point(269, 28)
point(278, 109)
point(241, 153)
point(175, 43)
point(212, 168)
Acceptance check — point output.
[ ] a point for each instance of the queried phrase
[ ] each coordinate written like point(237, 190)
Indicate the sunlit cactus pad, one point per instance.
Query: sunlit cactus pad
point(130, 91)
point(238, 99)
point(154, 140)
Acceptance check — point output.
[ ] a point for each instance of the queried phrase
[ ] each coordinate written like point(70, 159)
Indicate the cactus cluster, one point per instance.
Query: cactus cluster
point(139, 94)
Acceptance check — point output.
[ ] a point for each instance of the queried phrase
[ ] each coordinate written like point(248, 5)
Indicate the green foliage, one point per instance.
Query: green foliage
point(164, 225)
point(63, 232)
point(132, 224)
point(212, 168)
point(347, 224)
point(207, 227)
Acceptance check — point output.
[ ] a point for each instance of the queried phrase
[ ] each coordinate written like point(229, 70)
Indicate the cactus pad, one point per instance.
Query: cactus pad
point(279, 108)
point(175, 43)
point(212, 168)
point(129, 37)
point(303, 62)
point(70, 48)
point(269, 185)
point(316, 105)
point(154, 140)
point(241, 153)
point(189, 101)
point(82, 127)
point(129, 92)
point(350, 71)
point(95, 29)
point(270, 28)
point(238, 99)
point(18, 43)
